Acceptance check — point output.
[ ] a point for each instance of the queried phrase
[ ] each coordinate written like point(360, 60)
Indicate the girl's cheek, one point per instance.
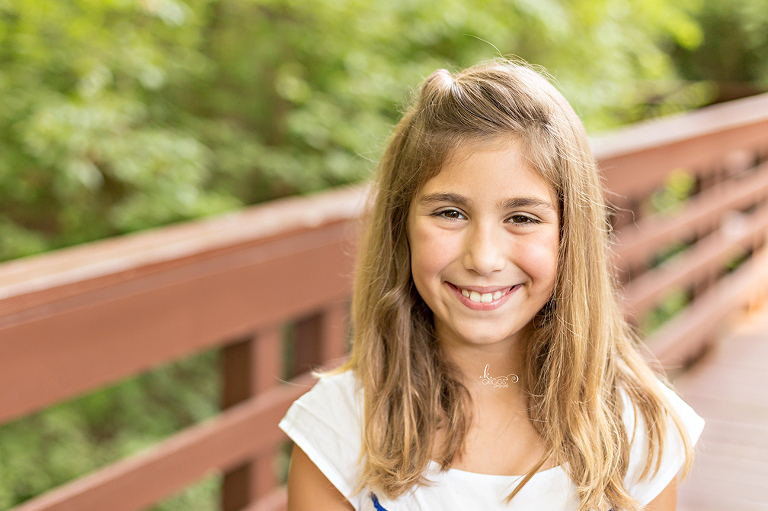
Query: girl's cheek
point(432, 250)
point(542, 255)
point(429, 246)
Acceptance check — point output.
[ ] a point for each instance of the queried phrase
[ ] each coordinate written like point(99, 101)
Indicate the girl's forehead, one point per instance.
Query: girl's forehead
point(499, 170)
point(466, 147)
point(518, 143)
point(463, 153)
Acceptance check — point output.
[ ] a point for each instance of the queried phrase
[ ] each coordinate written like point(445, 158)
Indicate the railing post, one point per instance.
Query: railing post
point(250, 367)
point(321, 338)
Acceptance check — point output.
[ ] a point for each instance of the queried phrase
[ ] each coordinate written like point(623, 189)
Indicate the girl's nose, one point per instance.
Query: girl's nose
point(484, 251)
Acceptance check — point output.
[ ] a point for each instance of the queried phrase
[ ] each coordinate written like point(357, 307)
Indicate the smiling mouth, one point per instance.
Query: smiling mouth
point(489, 297)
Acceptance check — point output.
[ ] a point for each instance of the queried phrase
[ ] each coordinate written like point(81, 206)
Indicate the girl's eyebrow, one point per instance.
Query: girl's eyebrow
point(460, 200)
point(434, 198)
point(523, 202)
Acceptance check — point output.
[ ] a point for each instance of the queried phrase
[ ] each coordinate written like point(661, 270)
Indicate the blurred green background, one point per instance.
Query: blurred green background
point(120, 115)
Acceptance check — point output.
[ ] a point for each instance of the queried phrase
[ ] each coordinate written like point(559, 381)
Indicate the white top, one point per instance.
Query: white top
point(326, 424)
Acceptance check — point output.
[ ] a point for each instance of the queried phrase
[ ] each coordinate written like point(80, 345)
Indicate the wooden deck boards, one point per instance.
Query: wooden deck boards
point(729, 388)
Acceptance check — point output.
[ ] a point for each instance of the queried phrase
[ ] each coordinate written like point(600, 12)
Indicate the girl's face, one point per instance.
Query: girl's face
point(483, 236)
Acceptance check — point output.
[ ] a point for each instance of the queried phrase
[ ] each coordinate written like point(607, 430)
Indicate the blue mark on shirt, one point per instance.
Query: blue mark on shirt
point(376, 504)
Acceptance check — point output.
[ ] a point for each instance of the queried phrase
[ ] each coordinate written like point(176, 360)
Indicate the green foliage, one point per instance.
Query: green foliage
point(678, 188)
point(204, 496)
point(121, 115)
point(672, 303)
point(733, 55)
point(88, 145)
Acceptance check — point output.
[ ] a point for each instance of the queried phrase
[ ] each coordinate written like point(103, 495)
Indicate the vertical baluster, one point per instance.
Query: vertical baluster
point(335, 332)
point(321, 337)
point(250, 367)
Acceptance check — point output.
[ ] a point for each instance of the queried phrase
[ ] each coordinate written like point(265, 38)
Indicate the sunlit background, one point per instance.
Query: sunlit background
point(121, 115)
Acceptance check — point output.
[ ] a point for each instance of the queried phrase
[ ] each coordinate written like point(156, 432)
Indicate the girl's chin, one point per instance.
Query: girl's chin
point(478, 338)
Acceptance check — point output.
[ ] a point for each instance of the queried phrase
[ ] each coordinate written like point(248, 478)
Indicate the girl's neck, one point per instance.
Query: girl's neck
point(493, 369)
point(501, 439)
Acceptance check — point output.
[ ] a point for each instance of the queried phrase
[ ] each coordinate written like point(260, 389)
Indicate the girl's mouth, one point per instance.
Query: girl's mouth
point(484, 299)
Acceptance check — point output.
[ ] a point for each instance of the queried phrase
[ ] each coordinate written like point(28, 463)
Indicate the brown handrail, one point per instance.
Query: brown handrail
point(124, 305)
point(76, 319)
point(636, 160)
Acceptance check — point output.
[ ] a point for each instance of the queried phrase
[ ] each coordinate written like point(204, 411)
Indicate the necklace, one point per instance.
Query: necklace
point(498, 382)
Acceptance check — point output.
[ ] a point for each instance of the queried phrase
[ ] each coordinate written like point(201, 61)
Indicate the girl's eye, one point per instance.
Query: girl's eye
point(519, 219)
point(450, 214)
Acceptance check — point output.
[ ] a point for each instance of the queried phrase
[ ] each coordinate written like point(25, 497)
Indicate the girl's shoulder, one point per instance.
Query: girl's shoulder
point(342, 387)
point(335, 401)
point(326, 424)
point(673, 455)
point(634, 421)
point(690, 418)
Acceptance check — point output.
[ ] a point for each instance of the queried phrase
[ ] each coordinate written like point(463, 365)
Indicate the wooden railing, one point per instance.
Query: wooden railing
point(81, 318)
point(75, 320)
point(719, 232)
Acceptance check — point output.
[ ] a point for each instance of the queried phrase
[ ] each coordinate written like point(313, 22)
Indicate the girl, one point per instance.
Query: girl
point(491, 367)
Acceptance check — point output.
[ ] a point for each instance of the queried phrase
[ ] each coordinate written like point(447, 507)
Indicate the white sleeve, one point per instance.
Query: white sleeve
point(325, 424)
point(673, 457)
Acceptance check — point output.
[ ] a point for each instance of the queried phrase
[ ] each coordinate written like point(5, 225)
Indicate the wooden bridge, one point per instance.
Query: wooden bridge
point(78, 319)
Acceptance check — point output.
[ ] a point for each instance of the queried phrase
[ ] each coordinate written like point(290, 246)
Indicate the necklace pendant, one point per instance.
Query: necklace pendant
point(498, 382)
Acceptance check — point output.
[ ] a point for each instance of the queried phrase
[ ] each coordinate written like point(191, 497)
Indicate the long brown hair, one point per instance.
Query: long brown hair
point(581, 351)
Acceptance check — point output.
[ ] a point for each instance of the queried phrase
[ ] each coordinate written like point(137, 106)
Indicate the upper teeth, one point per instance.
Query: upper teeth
point(485, 297)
